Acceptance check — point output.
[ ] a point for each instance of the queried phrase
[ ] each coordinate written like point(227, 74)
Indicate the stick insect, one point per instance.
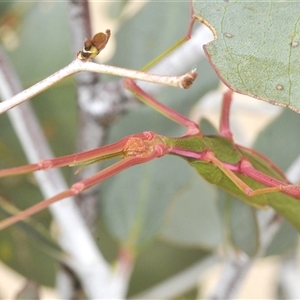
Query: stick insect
point(242, 172)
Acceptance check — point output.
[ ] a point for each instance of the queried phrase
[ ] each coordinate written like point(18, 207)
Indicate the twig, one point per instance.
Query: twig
point(113, 100)
point(289, 277)
point(78, 66)
point(89, 282)
point(83, 255)
point(91, 134)
point(238, 263)
point(87, 85)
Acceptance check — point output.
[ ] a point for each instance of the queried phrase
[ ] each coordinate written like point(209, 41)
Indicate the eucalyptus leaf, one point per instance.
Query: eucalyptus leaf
point(285, 240)
point(138, 44)
point(273, 141)
point(278, 142)
point(243, 227)
point(135, 211)
point(160, 261)
point(44, 44)
point(256, 47)
point(193, 218)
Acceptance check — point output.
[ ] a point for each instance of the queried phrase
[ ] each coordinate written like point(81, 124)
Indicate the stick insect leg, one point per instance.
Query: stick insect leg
point(114, 150)
point(224, 120)
point(186, 81)
point(78, 187)
point(171, 114)
point(176, 45)
point(274, 185)
point(246, 168)
point(135, 149)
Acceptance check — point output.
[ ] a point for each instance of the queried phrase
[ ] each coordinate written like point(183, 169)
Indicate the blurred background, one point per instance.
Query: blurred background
point(148, 209)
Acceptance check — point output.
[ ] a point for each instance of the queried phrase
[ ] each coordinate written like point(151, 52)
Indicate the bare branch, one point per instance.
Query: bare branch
point(83, 255)
point(289, 277)
point(238, 263)
point(79, 66)
point(90, 133)
point(113, 100)
point(122, 99)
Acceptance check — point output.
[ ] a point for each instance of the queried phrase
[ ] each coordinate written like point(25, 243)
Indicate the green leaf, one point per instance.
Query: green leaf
point(23, 254)
point(135, 211)
point(126, 191)
point(278, 142)
point(256, 47)
point(285, 240)
point(116, 8)
point(158, 262)
point(44, 44)
point(138, 44)
point(193, 218)
point(240, 223)
point(35, 230)
point(5, 7)
point(272, 141)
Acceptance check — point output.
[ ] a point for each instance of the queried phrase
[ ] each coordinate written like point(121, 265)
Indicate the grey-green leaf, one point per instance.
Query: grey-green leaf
point(256, 47)
point(193, 218)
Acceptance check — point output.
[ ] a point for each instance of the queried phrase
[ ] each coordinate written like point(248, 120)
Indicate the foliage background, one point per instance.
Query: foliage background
point(148, 208)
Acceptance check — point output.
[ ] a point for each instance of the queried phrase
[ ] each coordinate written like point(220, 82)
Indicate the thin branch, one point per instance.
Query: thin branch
point(289, 277)
point(83, 255)
point(238, 263)
point(185, 57)
point(78, 66)
point(113, 100)
point(232, 277)
point(123, 102)
point(80, 23)
point(91, 134)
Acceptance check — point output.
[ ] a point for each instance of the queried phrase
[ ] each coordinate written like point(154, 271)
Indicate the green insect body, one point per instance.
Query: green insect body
point(231, 154)
point(243, 173)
